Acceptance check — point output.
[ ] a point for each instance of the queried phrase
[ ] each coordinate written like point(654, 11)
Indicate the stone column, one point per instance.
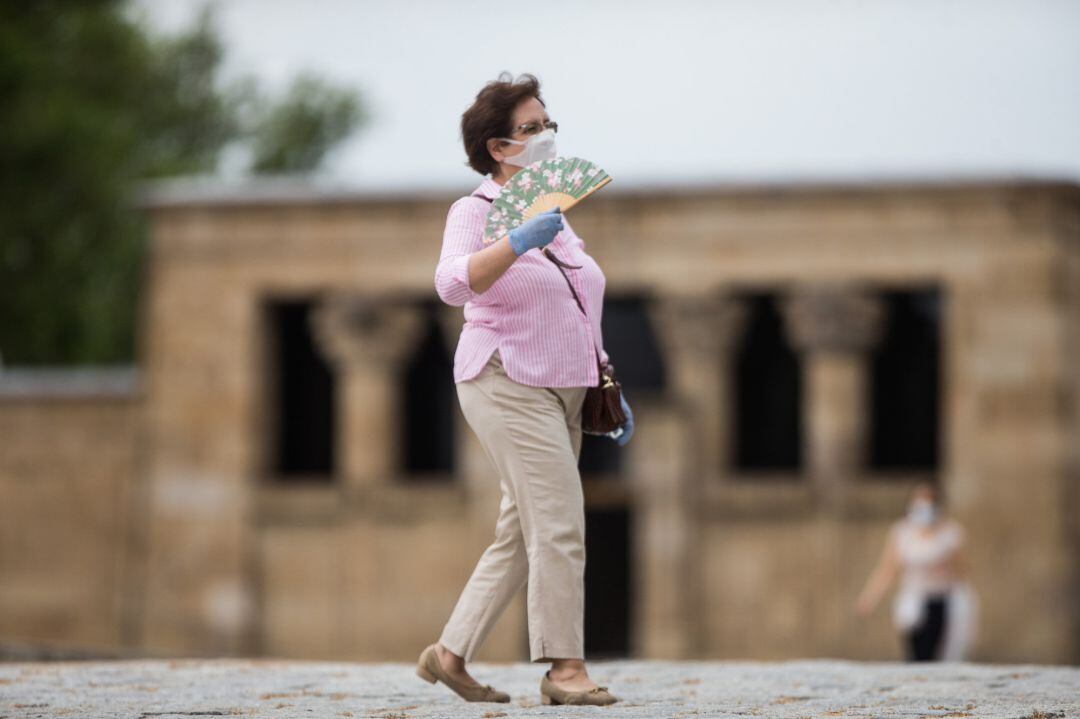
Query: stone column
point(834, 326)
point(697, 334)
point(679, 445)
point(368, 340)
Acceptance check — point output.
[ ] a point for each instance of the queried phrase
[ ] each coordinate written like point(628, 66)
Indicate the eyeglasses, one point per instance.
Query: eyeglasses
point(533, 127)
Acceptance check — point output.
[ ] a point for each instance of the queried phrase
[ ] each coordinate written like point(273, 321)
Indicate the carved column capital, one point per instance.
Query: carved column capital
point(368, 339)
point(702, 325)
point(833, 318)
point(354, 329)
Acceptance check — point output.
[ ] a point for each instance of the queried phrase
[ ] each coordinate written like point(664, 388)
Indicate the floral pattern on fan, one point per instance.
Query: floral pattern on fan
point(559, 182)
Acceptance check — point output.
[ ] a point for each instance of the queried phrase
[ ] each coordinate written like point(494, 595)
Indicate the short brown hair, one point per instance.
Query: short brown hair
point(491, 116)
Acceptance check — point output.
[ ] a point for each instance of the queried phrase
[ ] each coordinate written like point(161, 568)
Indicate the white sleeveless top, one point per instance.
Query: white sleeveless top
point(920, 553)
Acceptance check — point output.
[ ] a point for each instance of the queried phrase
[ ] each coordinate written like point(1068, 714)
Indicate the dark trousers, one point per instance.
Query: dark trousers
point(924, 641)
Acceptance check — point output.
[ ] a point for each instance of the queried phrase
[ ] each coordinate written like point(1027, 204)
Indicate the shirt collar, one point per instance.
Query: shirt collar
point(488, 188)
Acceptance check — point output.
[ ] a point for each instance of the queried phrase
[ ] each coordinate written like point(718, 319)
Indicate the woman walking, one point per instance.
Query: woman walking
point(526, 355)
point(934, 608)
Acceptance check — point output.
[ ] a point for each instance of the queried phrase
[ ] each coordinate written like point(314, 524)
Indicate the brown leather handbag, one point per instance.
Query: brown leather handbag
point(602, 411)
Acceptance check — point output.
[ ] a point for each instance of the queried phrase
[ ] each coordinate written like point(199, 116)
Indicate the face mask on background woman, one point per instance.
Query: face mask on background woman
point(922, 512)
point(540, 146)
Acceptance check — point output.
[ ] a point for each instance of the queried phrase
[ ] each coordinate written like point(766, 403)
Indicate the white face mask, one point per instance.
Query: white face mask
point(540, 146)
point(922, 512)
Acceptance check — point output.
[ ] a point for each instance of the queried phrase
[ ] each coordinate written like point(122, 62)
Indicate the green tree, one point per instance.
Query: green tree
point(91, 104)
point(294, 135)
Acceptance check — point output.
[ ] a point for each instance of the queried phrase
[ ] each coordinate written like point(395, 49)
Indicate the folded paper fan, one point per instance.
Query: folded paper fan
point(559, 182)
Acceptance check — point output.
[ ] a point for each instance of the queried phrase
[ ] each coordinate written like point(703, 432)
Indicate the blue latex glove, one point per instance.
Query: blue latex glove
point(622, 434)
point(536, 232)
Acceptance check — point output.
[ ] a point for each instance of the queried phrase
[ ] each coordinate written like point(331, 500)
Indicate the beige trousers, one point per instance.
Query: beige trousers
point(532, 435)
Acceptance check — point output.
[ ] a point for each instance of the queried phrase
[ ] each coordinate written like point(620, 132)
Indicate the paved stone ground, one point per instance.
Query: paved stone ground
point(286, 688)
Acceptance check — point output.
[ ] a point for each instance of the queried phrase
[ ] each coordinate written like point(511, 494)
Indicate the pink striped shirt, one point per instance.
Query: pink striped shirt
point(528, 314)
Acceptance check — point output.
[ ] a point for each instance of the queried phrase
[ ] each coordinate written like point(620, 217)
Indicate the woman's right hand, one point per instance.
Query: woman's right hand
point(536, 232)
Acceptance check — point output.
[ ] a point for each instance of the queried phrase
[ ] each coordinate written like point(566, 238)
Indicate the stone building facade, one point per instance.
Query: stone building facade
point(286, 470)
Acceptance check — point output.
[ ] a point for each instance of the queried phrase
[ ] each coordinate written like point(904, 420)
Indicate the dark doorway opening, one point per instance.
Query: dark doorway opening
point(608, 582)
point(428, 400)
point(905, 385)
point(767, 388)
point(301, 385)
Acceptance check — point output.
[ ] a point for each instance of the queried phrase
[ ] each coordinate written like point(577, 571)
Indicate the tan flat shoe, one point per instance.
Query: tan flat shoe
point(430, 670)
point(551, 694)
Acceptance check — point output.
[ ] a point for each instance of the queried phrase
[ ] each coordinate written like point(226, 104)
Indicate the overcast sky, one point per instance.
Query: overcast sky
point(683, 90)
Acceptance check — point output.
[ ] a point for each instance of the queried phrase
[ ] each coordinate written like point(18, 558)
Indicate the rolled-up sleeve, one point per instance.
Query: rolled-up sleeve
point(462, 237)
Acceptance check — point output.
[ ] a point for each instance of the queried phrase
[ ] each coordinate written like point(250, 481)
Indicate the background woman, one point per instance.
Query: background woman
point(934, 607)
point(525, 357)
